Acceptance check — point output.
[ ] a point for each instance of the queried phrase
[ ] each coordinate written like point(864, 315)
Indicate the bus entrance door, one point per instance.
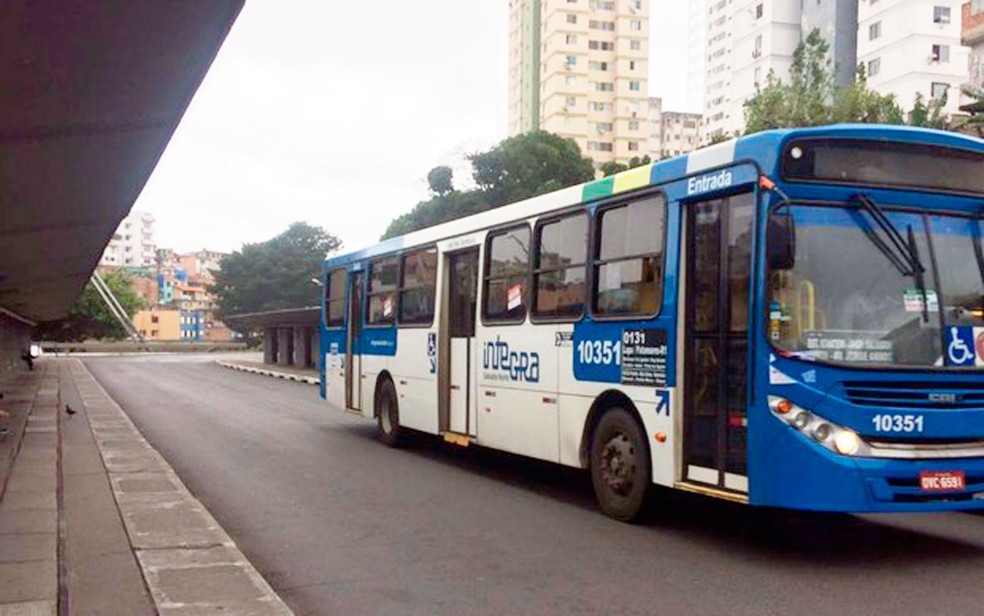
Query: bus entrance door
point(353, 357)
point(719, 236)
point(458, 332)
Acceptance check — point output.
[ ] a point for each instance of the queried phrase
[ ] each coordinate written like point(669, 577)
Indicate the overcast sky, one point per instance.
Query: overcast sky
point(333, 113)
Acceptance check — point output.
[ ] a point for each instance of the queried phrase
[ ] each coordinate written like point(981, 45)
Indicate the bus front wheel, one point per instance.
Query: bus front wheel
point(388, 416)
point(620, 470)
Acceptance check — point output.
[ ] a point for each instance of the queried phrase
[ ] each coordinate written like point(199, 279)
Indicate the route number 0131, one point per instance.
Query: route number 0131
point(898, 423)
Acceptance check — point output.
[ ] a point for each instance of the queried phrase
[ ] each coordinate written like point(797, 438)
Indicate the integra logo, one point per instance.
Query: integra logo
point(514, 365)
point(706, 183)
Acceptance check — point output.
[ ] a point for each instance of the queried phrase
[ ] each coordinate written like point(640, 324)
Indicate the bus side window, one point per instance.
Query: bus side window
point(628, 259)
point(335, 298)
point(507, 262)
point(561, 250)
point(418, 281)
point(382, 291)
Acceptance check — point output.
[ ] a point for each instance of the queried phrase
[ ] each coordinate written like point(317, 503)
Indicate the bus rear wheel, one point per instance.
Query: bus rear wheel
point(388, 416)
point(620, 471)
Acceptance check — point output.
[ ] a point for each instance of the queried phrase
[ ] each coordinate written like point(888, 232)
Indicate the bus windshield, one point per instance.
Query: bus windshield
point(852, 296)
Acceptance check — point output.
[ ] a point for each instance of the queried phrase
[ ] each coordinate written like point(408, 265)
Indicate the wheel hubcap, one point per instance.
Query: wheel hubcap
point(618, 464)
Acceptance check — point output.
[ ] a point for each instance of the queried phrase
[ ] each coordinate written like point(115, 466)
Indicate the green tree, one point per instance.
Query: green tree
point(611, 168)
point(528, 165)
point(974, 124)
point(811, 97)
point(929, 115)
point(274, 274)
point(518, 168)
point(440, 180)
point(90, 318)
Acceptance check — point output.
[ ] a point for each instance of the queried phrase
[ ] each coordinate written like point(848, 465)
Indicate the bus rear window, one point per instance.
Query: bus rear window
point(875, 163)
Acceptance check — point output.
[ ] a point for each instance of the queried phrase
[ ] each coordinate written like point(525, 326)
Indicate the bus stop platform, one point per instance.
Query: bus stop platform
point(94, 521)
point(290, 373)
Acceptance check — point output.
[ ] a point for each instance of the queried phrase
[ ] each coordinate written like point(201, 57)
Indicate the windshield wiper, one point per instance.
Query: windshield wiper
point(918, 272)
point(901, 254)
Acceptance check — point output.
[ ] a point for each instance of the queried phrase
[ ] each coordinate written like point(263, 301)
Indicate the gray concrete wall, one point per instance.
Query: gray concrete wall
point(15, 337)
point(838, 22)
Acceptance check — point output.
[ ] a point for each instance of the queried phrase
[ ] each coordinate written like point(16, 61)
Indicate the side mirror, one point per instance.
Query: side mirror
point(781, 240)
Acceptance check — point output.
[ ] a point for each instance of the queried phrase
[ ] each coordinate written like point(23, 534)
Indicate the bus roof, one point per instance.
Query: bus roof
point(763, 148)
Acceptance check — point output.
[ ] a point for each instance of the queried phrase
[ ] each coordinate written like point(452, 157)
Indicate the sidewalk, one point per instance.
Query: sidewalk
point(94, 521)
point(290, 373)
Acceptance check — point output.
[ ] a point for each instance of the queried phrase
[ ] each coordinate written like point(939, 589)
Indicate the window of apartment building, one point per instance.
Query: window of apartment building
point(598, 66)
point(571, 18)
point(599, 146)
point(603, 86)
point(938, 89)
point(602, 5)
point(571, 39)
point(633, 124)
point(605, 127)
point(635, 44)
point(941, 53)
point(571, 80)
point(874, 67)
point(758, 76)
point(632, 65)
point(570, 60)
point(941, 14)
point(155, 319)
point(601, 106)
point(874, 31)
point(635, 86)
point(633, 146)
point(758, 47)
point(602, 25)
point(635, 24)
point(759, 10)
point(570, 101)
point(637, 4)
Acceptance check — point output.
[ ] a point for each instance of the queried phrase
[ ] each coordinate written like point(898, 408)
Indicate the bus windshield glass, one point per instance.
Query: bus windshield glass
point(874, 163)
point(853, 295)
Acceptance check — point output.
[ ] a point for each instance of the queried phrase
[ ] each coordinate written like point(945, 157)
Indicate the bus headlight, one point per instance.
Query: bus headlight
point(833, 437)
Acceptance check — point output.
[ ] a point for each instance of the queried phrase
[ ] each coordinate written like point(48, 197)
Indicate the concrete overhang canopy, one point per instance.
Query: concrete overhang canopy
point(92, 92)
point(274, 318)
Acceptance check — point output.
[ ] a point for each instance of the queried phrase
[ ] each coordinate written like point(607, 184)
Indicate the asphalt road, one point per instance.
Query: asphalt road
point(339, 524)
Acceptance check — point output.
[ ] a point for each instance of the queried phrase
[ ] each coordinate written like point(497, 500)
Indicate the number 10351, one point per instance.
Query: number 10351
point(898, 423)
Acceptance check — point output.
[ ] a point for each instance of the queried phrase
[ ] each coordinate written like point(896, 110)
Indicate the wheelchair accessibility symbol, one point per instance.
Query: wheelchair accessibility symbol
point(960, 346)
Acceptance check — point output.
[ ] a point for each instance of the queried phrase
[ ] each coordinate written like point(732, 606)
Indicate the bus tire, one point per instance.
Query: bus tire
point(388, 416)
point(620, 469)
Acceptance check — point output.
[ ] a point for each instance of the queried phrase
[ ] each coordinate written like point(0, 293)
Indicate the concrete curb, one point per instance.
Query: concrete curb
point(189, 563)
point(280, 375)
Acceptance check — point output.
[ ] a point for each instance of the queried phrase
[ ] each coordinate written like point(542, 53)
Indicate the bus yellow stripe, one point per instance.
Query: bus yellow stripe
point(632, 179)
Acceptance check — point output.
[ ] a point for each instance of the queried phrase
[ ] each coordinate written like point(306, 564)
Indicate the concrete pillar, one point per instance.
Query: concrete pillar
point(284, 351)
point(270, 345)
point(300, 343)
point(15, 339)
point(316, 348)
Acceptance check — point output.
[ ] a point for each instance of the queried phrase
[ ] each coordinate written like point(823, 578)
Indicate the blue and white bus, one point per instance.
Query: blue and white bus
point(791, 319)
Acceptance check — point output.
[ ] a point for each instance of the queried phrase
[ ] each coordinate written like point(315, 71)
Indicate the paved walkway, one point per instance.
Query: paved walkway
point(94, 521)
point(303, 375)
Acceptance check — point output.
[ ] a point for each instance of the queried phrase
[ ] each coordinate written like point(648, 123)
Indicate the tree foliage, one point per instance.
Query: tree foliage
point(811, 97)
point(973, 124)
point(274, 274)
point(517, 168)
point(440, 180)
point(90, 318)
point(612, 167)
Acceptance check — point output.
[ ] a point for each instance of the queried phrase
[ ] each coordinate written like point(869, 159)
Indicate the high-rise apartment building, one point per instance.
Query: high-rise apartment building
point(133, 243)
point(912, 47)
point(719, 37)
point(593, 73)
point(972, 37)
point(696, 60)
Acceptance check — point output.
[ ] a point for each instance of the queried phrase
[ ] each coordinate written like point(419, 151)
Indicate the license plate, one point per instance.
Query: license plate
point(942, 481)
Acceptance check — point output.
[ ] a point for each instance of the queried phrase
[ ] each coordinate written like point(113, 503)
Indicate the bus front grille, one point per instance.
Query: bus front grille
point(909, 395)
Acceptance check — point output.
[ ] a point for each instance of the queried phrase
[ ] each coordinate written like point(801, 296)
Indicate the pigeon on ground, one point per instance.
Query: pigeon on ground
point(70, 410)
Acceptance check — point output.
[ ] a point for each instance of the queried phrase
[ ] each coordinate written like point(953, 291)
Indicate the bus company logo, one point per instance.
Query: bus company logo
point(945, 397)
point(501, 363)
point(706, 183)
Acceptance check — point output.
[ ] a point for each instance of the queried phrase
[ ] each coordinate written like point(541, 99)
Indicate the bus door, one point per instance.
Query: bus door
point(353, 357)
point(719, 261)
point(458, 331)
